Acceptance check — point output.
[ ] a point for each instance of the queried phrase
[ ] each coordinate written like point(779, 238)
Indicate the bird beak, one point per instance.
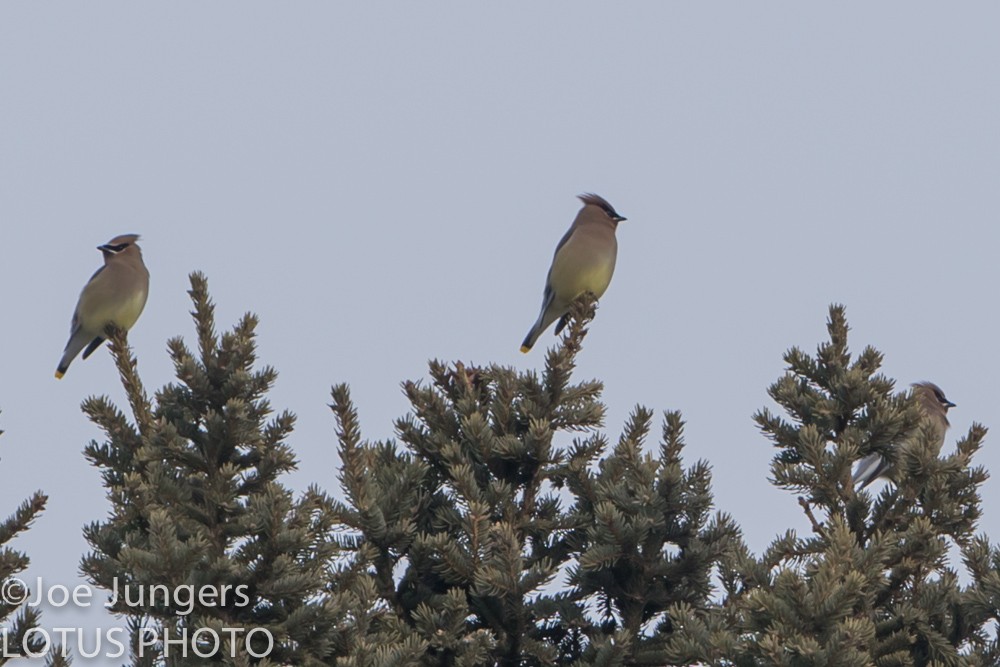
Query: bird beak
point(620, 219)
point(949, 404)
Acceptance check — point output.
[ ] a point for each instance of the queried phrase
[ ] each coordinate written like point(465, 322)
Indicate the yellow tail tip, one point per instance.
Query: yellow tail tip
point(525, 349)
point(59, 375)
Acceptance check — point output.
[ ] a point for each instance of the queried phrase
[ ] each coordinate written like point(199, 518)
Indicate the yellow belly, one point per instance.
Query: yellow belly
point(587, 273)
point(96, 314)
point(594, 279)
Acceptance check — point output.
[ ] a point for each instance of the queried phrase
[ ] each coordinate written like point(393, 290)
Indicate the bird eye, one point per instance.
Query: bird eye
point(119, 247)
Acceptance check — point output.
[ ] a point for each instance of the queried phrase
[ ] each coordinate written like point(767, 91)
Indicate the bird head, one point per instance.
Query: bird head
point(590, 199)
point(119, 244)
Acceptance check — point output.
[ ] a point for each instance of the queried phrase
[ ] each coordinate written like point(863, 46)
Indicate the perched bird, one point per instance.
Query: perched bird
point(583, 262)
point(116, 294)
point(934, 407)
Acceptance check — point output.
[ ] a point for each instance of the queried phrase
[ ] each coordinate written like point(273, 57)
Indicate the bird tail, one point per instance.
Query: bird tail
point(545, 318)
point(529, 340)
point(77, 341)
point(869, 469)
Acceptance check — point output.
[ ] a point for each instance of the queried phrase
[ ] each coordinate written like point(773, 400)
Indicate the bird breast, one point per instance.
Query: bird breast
point(111, 298)
point(122, 312)
point(583, 267)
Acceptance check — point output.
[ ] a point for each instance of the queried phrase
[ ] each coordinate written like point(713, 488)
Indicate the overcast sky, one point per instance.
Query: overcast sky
point(385, 183)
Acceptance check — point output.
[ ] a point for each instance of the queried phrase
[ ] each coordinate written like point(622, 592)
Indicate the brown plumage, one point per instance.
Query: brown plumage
point(584, 261)
point(115, 294)
point(934, 407)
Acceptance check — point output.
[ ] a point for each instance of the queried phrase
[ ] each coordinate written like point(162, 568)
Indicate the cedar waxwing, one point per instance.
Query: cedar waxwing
point(934, 407)
point(583, 262)
point(115, 294)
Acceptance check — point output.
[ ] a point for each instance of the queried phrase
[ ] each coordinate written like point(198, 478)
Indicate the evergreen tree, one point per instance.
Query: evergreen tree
point(874, 583)
point(487, 537)
point(15, 631)
point(197, 506)
point(502, 527)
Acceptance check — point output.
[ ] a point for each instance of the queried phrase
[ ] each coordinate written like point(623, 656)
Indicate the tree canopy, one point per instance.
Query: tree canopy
point(502, 525)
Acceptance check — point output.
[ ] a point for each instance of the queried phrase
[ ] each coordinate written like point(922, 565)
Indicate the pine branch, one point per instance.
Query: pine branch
point(128, 371)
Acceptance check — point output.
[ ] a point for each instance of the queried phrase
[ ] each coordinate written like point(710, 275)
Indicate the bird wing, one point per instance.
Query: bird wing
point(869, 469)
point(75, 322)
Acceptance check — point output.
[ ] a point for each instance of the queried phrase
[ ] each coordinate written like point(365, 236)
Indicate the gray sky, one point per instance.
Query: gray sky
point(385, 183)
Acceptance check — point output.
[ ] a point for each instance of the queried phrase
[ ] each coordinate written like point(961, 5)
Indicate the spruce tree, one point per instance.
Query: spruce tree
point(197, 504)
point(874, 583)
point(489, 533)
point(15, 630)
point(501, 526)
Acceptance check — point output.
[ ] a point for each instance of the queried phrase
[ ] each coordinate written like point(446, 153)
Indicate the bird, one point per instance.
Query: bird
point(584, 261)
point(933, 406)
point(115, 294)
